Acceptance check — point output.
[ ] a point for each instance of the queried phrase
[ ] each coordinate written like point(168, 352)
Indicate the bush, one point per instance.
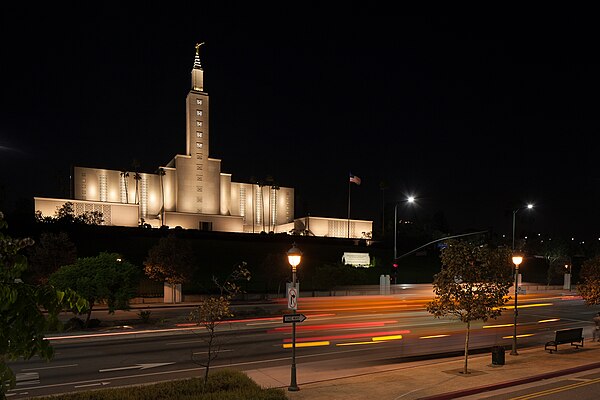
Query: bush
point(145, 316)
point(222, 385)
point(94, 323)
point(74, 324)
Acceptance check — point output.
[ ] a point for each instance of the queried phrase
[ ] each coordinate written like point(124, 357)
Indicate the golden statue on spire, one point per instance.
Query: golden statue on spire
point(198, 47)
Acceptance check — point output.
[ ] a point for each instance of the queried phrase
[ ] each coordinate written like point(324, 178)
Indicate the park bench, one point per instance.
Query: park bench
point(563, 336)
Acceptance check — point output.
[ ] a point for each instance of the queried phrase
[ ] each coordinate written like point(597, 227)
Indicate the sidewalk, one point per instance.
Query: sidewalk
point(431, 379)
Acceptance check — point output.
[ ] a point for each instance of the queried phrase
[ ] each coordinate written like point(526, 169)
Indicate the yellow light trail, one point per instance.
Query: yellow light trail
point(511, 336)
point(306, 344)
point(356, 343)
point(381, 338)
point(497, 326)
point(433, 336)
point(548, 320)
point(507, 307)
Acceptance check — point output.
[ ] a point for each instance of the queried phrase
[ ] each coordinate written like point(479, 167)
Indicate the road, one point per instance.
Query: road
point(339, 331)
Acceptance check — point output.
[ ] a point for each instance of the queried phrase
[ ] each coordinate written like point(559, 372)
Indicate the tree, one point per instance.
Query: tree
point(66, 215)
point(170, 260)
point(51, 252)
point(125, 177)
point(589, 281)
point(106, 278)
point(27, 311)
point(213, 310)
point(472, 284)
point(161, 172)
point(135, 165)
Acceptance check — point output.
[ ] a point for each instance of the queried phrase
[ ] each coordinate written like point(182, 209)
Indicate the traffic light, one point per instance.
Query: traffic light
point(394, 271)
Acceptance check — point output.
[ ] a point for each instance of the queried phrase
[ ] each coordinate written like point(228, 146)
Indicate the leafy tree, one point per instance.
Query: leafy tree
point(105, 278)
point(472, 284)
point(170, 260)
point(52, 252)
point(23, 321)
point(330, 275)
point(66, 215)
point(213, 310)
point(589, 281)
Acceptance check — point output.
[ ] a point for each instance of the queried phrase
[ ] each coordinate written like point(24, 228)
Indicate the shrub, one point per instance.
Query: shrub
point(74, 324)
point(145, 316)
point(222, 385)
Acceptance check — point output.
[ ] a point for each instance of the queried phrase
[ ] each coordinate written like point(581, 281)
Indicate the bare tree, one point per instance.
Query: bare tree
point(214, 310)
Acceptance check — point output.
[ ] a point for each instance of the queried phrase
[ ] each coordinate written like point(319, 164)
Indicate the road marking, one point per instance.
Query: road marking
point(16, 394)
point(206, 352)
point(185, 342)
point(195, 369)
point(27, 378)
point(55, 366)
point(137, 366)
point(92, 384)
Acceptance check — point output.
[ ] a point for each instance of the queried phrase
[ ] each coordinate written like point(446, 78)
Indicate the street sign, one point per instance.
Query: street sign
point(292, 298)
point(294, 318)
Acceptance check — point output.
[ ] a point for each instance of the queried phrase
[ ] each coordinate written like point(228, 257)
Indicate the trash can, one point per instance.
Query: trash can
point(497, 355)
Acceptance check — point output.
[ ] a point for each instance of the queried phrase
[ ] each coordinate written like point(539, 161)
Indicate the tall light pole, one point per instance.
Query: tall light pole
point(294, 257)
point(568, 270)
point(409, 199)
point(529, 207)
point(516, 259)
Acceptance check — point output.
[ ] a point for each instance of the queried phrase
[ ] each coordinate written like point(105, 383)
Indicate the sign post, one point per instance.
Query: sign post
point(294, 256)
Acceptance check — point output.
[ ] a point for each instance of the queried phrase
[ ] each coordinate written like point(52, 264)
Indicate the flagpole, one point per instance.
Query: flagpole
point(348, 208)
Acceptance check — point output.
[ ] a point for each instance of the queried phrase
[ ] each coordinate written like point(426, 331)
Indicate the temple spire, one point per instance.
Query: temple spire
point(197, 71)
point(197, 64)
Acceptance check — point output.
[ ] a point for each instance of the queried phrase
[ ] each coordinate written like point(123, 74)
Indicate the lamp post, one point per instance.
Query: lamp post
point(294, 257)
point(409, 199)
point(529, 207)
point(516, 259)
point(568, 269)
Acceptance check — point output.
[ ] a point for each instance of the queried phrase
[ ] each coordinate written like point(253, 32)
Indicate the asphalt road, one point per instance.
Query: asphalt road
point(339, 331)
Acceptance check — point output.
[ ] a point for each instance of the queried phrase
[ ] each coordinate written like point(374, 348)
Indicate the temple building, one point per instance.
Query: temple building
point(191, 192)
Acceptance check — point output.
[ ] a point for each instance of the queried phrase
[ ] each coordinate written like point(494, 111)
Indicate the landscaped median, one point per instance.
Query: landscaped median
point(221, 385)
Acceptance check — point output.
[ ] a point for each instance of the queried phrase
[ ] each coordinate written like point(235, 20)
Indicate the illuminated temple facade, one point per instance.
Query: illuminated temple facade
point(191, 191)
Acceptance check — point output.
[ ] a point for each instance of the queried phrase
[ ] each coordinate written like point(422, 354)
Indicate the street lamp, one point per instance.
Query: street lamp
point(568, 270)
point(516, 259)
point(294, 257)
point(529, 207)
point(409, 199)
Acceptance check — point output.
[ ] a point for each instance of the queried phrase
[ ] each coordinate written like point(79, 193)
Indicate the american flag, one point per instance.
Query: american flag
point(354, 179)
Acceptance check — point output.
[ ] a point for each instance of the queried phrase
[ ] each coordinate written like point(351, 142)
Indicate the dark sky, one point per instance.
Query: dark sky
point(474, 118)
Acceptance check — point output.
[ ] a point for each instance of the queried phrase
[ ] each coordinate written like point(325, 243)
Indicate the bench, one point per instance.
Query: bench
point(563, 336)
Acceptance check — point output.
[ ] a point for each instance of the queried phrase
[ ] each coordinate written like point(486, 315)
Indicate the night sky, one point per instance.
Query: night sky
point(473, 118)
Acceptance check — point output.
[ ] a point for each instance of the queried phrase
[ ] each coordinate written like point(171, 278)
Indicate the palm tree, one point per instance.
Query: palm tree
point(253, 181)
point(137, 178)
point(161, 172)
point(135, 166)
point(125, 176)
point(273, 190)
